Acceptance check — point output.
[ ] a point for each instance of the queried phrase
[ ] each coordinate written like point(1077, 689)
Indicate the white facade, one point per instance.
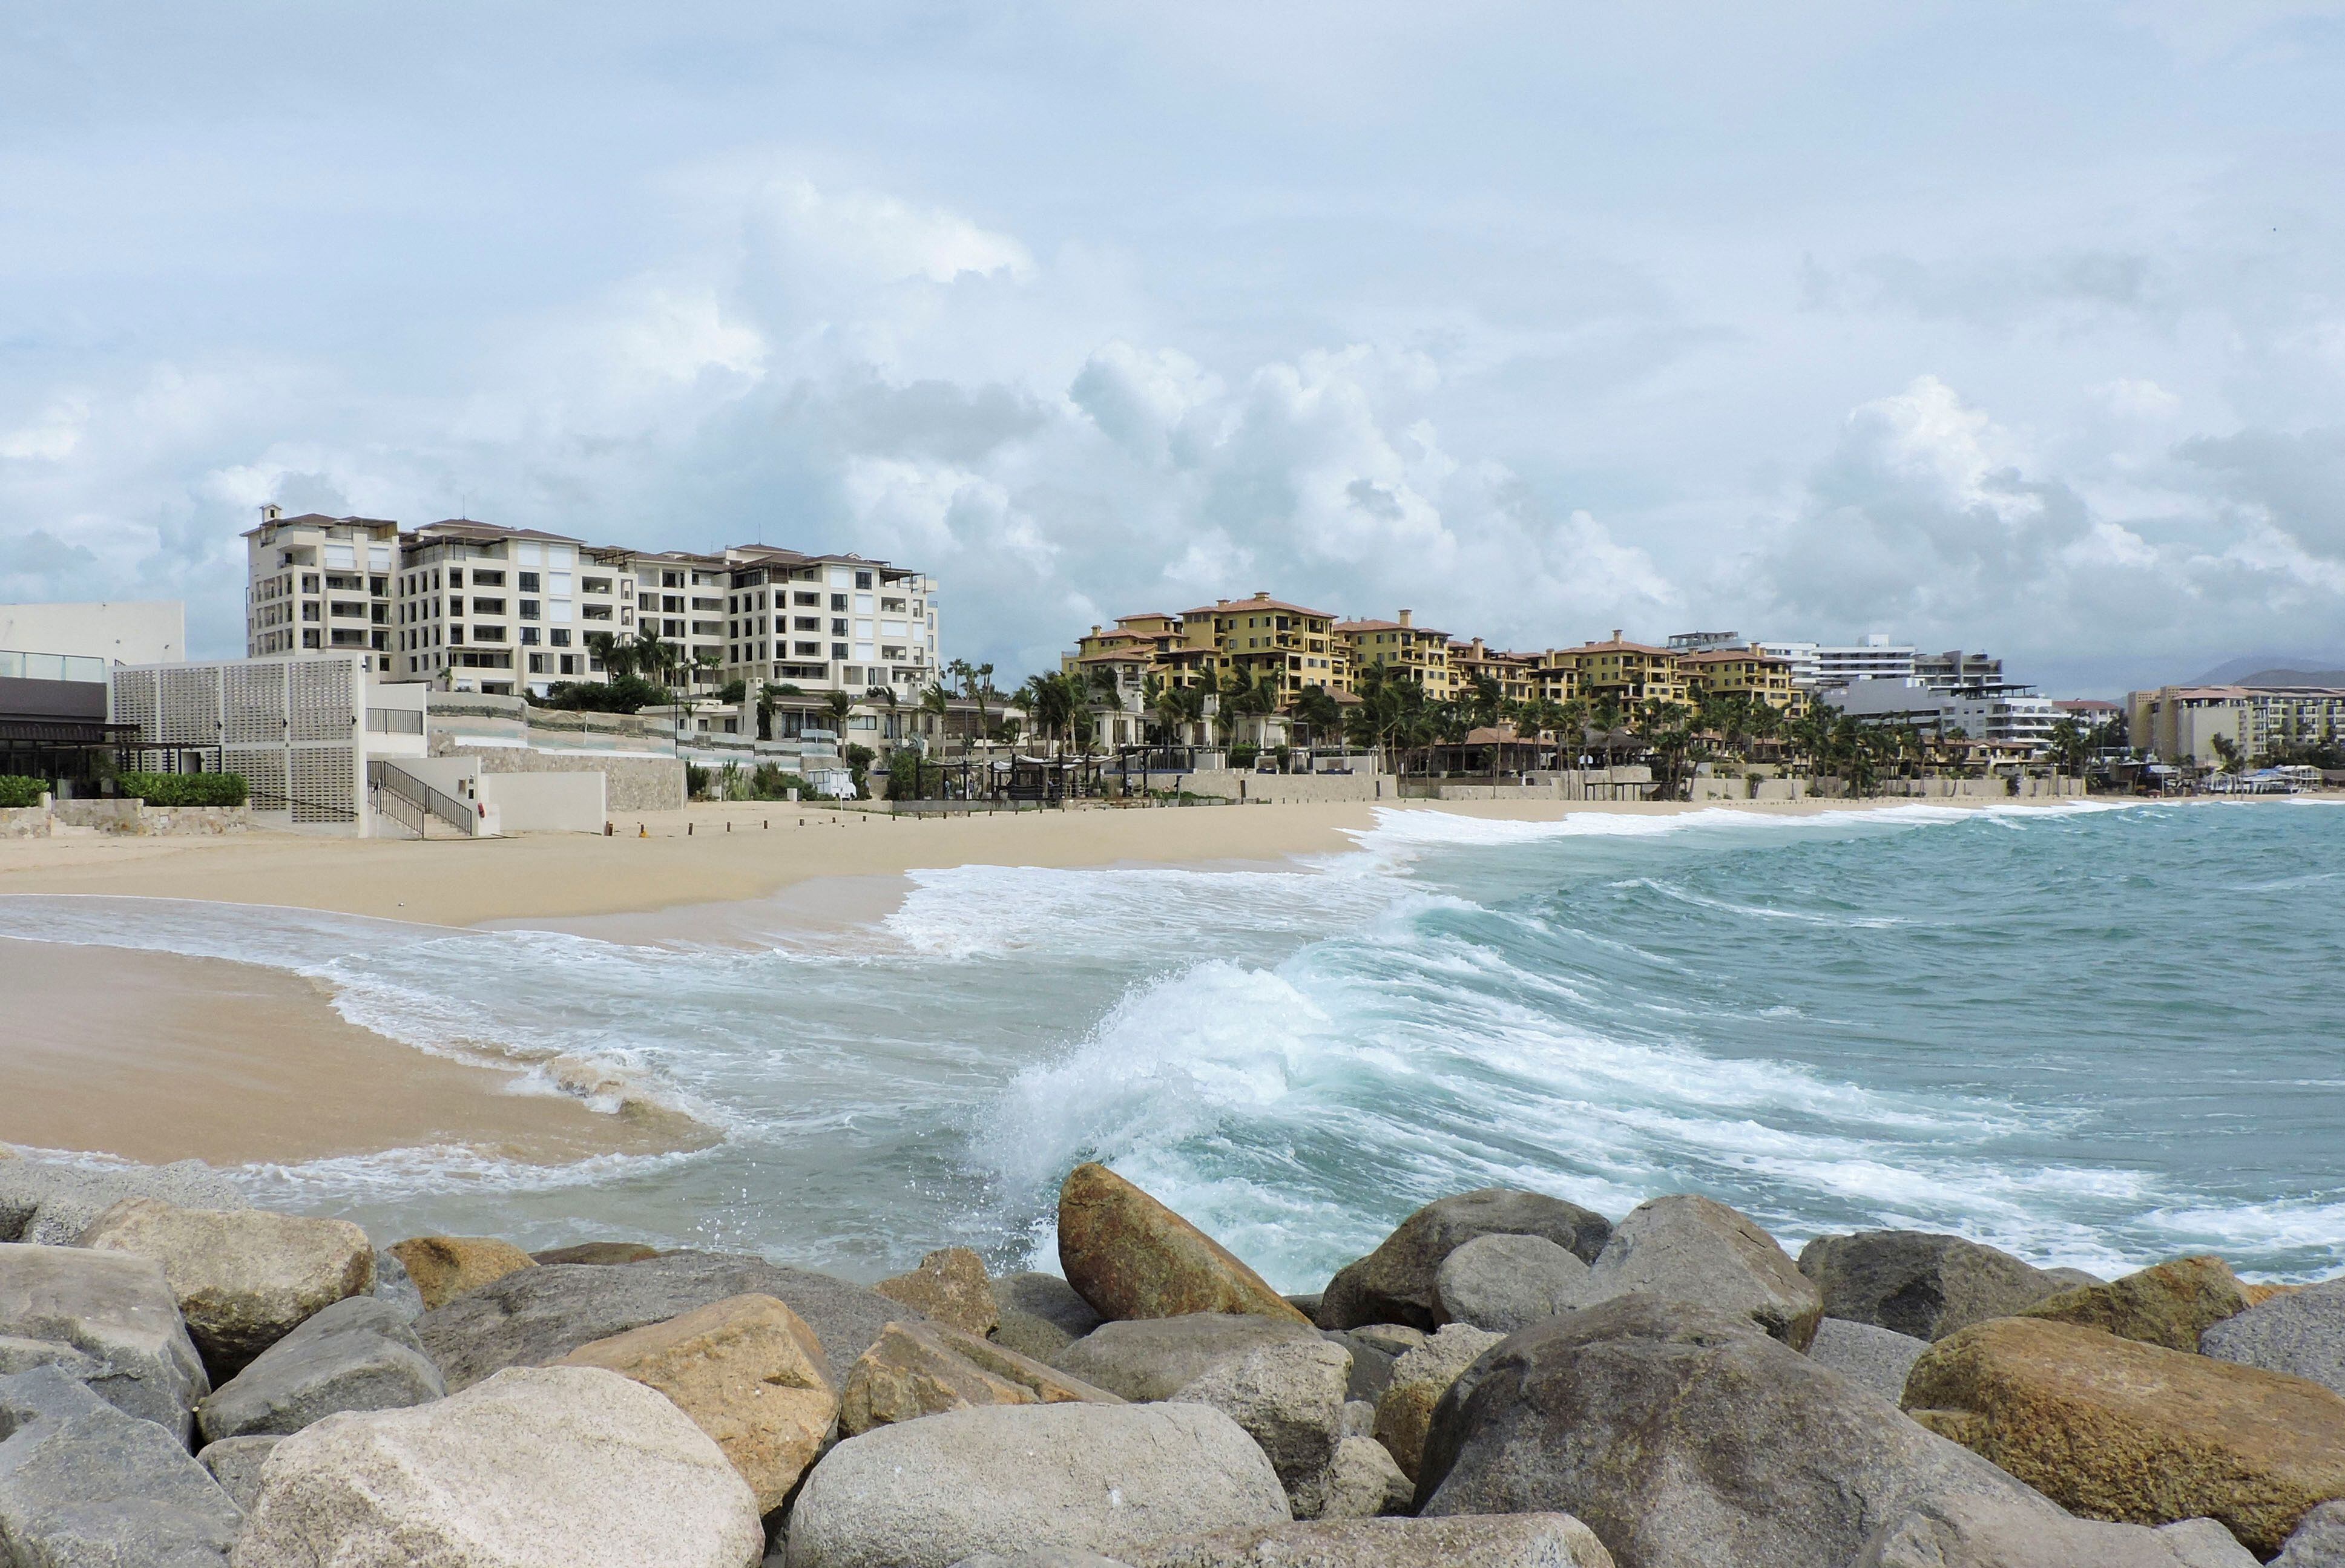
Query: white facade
point(2004, 715)
point(83, 641)
point(295, 728)
point(830, 624)
point(316, 584)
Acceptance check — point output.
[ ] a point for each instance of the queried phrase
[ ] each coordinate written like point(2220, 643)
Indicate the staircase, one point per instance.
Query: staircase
point(401, 797)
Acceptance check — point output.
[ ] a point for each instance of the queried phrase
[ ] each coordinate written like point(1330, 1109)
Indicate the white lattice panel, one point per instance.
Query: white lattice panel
point(324, 782)
point(263, 768)
point(134, 698)
point(187, 706)
point(318, 700)
point(253, 704)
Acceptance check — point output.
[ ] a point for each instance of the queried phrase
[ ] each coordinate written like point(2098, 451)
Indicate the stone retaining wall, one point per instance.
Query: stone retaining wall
point(631, 783)
point(1280, 789)
point(23, 821)
point(137, 817)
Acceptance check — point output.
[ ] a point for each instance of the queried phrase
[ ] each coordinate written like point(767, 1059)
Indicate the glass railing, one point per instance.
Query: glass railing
point(16, 666)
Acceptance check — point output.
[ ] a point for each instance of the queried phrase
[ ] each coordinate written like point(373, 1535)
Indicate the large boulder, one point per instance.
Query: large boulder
point(446, 1267)
point(359, 1354)
point(1015, 1478)
point(551, 1467)
point(1289, 1399)
point(1686, 1439)
point(2168, 1304)
point(393, 1287)
point(926, 1369)
point(1506, 1282)
point(1155, 1358)
point(1130, 1257)
point(116, 1319)
point(2319, 1540)
point(1419, 1379)
point(1973, 1531)
point(245, 1278)
point(2301, 1334)
point(1510, 1541)
point(608, 1253)
point(1395, 1283)
point(749, 1374)
point(533, 1317)
point(949, 1286)
point(1040, 1314)
point(2120, 1430)
point(1877, 1358)
point(235, 1462)
point(50, 1204)
point(1360, 1480)
point(81, 1483)
point(1693, 1248)
point(1919, 1283)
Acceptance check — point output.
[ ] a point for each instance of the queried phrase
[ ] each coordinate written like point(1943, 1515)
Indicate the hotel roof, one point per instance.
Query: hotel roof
point(1733, 655)
point(1259, 601)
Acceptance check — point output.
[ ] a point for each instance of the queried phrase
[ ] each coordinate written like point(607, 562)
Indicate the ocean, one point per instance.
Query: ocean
point(2096, 1036)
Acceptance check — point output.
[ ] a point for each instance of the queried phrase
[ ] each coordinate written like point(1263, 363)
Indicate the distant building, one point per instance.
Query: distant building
point(1403, 648)
point(1995, 711)
point(55, 660)
point(2088, 713)
point(1627, 672)
point(2181, 724)
point(1742, 671)
point(1705, 641)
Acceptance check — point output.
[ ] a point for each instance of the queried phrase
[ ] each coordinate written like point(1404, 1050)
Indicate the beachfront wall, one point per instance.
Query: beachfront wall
point(25, 821)
point(137, 818)
point(508, 736)
point(631, 783)
point(1282, 789)
point(547, 803)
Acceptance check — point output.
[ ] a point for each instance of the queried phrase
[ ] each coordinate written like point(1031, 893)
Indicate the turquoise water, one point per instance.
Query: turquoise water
point(2094, 1037)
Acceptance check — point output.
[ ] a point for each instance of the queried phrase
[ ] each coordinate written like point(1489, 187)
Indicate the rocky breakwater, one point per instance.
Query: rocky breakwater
point(1506, 1381)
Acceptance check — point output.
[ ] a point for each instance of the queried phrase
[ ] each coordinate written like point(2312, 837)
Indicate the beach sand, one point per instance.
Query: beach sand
point(155, 1057)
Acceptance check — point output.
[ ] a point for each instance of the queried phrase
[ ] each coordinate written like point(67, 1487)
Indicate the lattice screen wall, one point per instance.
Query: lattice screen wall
point(290, 726)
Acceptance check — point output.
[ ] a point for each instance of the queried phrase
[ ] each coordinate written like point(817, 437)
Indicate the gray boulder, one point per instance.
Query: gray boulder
point(1360, 1480)
point(1685, 1439)
point(394, 1286)
point(120, 1317)
point(2318, 1541)
point(1395, 1283)
point(1919, 1283)
point(1506, 1282)
point(1971, 1532)
point(81, 1483)
point(533, 1317)
point(2301, 1334)
point(51, 1204)
point(1289, 1398)
point(235, 1462)
point(1507, 1540)
point(1372, 1364)
point(359, 1354)
point(1154, 1358)
point(1050, 1557)
point(1877, 1358)
point(1042, 1314)
point(1693, 1248)
point(1019, 1478)
point(1419, 1380)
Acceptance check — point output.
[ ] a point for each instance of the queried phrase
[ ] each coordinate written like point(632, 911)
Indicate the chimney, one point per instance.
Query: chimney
point(270, 511)
point(1094, 631)
point(1405, 615)
point(1262, 593)
point(1616, 633)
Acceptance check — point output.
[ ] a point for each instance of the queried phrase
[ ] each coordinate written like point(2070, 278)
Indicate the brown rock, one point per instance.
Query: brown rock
point(2121, 1429)
point(1419, 1379)
point(607, 1253)
point(926, 1368)
point(2257, 1295)
point(1130, 1257)
point(749, 1374)
point(2170, 1304)
point(446, 1267)
point(950, 1287)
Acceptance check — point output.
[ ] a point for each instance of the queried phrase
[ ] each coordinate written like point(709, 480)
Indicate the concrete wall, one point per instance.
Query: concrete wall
point(1280, 789)
point(137, 817)
point(633, 783)
point(546, 802)
point(25, 822)
point(120, 631)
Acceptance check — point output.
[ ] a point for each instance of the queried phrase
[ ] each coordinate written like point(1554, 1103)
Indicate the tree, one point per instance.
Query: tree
point(2229, 753)
point(936, 703)
point(2069, 746)
point(837, 704)
point(1317, 712)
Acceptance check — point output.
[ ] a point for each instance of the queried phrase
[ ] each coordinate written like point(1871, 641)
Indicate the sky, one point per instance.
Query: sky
point(2013, 327)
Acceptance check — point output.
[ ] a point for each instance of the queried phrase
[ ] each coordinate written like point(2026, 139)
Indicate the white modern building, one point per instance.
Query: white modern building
point(82, 641)
point(2000, 713)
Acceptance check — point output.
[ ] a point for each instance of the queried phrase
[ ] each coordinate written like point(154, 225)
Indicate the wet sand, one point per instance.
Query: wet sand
point(155, 1057)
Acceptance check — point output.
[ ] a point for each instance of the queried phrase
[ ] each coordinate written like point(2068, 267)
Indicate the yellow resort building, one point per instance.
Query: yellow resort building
point(1402, 648)
point(1517, 674)
point(1263, 640)
point(1726, 672)
point(1630, 673)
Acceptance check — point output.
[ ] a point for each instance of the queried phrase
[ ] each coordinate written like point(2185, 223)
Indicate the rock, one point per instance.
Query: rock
point(749, 1374)
point(1052, 1557)
point(2257, 1295)
point(608, 1254)
point(1506, 1282)
point(1018, 1478)
point(1511, 1541)
point(1372, 1364)
point(1395, 1283)
point(1306, 1302)
point(1288, 1398)
point(2301, 1334)
point(1359, 1481)
point(245, 1278)
point(550, 1467)
point(359, 1354)
point(1877, 1358)
point(1155, 1358)
point(1921, 1284)
point(394, 1287)
point(235, 1462)
point(1685, 1439)
point(1040, 1314)
point(83, 1484)
point(2319, 1540)
point(118, 1315)
point(1419, 1379)
point(924, 1369)
point(1359, 1418)
point(534, 1316)
point(2121, 1429)
point(446, 1267)
point(2169, 1304)
point(1393, 1339)
point(1130, 1257)
point(23, 1355)
point(949, 1286)
point(2068, 1278)
point(51, 1204)
point(1694, 1248)
point(1969, 1532)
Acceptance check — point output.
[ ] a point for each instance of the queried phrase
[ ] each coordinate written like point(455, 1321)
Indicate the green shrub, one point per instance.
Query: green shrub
point(15, 790)
point(695, 780)
point(184, 789)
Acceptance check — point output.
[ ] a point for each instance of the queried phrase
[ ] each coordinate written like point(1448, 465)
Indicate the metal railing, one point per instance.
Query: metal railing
point(389, 782)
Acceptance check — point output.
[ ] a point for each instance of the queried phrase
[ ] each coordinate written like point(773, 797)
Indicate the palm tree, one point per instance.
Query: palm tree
point(936, 703)
point(1318, 712)
point(618, 659)
point(838, 703)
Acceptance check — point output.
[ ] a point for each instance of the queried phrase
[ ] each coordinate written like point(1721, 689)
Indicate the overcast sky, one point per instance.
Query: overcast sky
point(2019, 327)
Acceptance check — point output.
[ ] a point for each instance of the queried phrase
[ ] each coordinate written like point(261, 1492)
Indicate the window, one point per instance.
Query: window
point(838, 650)
point(808, 622)
point(455, 577)
point(595, 612)
point(838, 602)
point(485, 579)
point(309, 582)
point(529, 608)
point(862, 580)
point(455, 633)
point(838, 628)
point(569, 664)
point(559, 637)
point(488, 606)
point(810, 600)
point(806, 650)
point(526, 582)
point(537, 663)
point(672, 603)
point(379, 586)
point(309, 612)
point(626, 588)
point(529, 636)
